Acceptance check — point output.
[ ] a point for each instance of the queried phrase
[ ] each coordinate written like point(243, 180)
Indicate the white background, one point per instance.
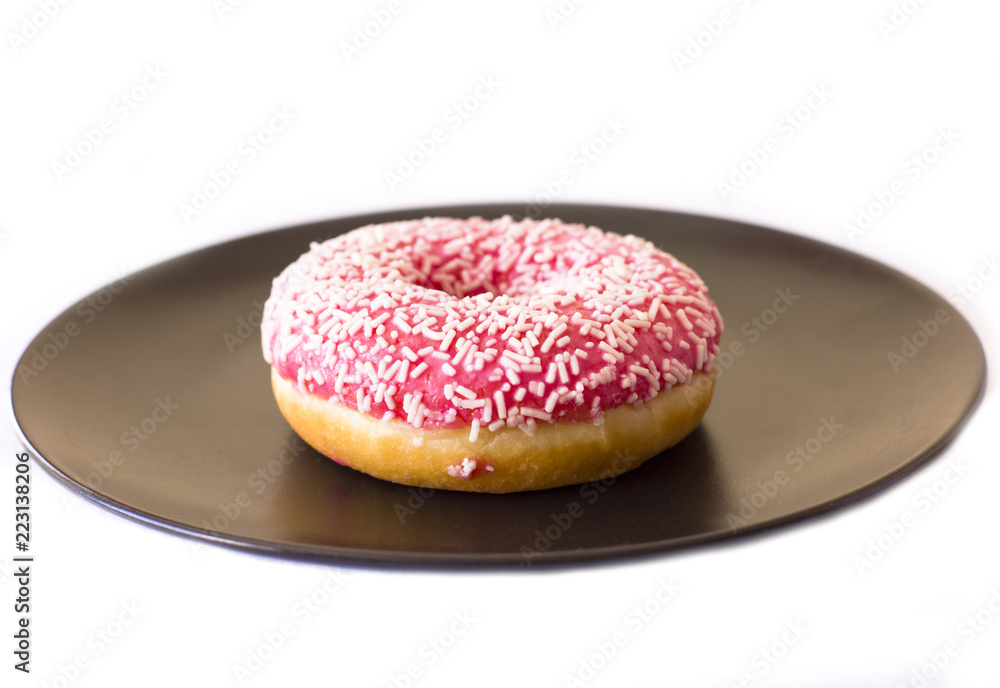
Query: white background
point(202, 609)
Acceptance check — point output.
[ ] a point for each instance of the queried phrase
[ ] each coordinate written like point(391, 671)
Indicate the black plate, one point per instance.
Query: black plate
point(840, 376)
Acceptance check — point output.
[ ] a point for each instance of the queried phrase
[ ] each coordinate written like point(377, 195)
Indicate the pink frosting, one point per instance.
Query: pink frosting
point(482, 324)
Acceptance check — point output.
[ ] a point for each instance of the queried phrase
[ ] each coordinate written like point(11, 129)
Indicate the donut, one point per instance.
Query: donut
point(490, 355)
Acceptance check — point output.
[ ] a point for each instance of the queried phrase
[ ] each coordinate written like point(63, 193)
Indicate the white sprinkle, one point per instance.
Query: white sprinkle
point(642, 370)
point(501, 404)
point(425, 323)
point(637, 324)
point(561, 367)
point(609, 332)
point(550, 403)
point(448, 339)
point(401, 324)
point(550, 376)
point(619, 356)
point(514, 357)
point(534, 413)
point(418, 371)
point(465, 392)
point(474, 432)
point(356, 325)
point(653, 307)
point(463, 350)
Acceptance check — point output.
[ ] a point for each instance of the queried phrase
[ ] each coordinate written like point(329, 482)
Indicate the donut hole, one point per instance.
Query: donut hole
point(484, 270)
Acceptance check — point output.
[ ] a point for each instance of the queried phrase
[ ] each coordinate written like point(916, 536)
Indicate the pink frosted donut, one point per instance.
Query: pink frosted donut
point(490, 355)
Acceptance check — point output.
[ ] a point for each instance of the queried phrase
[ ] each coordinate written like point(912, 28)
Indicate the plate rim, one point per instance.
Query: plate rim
point(605, 555)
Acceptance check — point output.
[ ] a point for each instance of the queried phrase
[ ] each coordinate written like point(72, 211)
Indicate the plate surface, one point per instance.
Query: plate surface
point(839, 375)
